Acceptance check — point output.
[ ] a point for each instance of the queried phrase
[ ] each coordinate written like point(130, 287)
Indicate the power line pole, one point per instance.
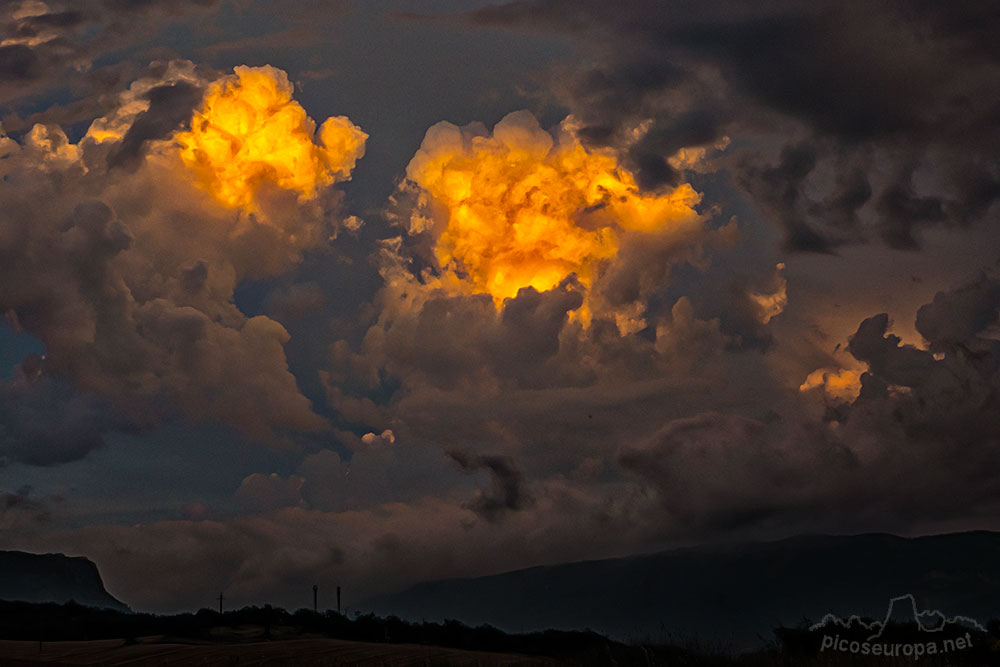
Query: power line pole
point(315, 607)
point(220, 604)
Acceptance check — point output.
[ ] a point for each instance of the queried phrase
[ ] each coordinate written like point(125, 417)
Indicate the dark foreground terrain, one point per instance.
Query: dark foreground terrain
point(72, 634)
point(310, 652)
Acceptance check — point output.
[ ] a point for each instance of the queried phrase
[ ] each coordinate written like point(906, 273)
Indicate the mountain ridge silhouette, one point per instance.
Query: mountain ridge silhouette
point(53, 577)
point(733, 594)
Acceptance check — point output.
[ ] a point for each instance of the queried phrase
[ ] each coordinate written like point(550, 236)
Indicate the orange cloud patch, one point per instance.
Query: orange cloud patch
point(249, 131)
point(524, 208)
point(840, 383)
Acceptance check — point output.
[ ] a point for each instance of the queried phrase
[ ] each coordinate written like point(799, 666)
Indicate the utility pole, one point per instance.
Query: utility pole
point(220, 604)
point(338, 599)
point(315, 606)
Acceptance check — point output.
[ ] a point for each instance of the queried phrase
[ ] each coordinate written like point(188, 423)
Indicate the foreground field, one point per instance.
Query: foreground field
point(292, 652)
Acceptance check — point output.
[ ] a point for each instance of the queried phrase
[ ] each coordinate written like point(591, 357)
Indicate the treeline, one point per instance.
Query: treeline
point(71, 621)
point(789, 646)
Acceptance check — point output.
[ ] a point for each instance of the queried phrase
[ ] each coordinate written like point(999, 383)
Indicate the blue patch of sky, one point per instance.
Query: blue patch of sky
point(14, 347)
point(138, 478)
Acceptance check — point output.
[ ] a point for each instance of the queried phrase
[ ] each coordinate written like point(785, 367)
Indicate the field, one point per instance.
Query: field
point(304, 652)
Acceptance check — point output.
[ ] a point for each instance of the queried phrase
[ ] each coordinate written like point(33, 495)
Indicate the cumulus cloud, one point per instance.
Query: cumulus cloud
point(585, 339)
point(127, 275)
point(248, 132)
point(710, 434)
point(606, 345)
point(572, 354)
point(523, 207)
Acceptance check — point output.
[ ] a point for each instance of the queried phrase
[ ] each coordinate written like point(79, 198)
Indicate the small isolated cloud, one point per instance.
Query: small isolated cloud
point(386, 437)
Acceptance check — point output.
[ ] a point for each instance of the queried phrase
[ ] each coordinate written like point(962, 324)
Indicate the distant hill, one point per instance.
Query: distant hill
point(731, 595)
point(53, 578)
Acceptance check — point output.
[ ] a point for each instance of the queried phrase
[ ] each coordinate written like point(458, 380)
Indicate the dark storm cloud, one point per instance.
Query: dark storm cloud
point(18, 62)
point(44, 421)
point(716, 472)
point(919, 443)
point(777, 190)
point(508, 492)
point(886, 112)
point(57, 43)
point(170, 107)
point(917, 447)
point(851, 70)
point(467, 378)
point(452, 342)
point(941, 404)
point(952, 390)
point(694, 128)
point(958, 316)
point(904, 211)
point(685, 424)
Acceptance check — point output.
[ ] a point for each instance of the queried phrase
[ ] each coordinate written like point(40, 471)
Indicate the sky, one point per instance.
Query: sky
point(371, 293)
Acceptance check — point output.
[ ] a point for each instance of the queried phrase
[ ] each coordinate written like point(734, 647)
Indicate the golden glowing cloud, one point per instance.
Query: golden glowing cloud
point(249, 131)
point(840, 383)
point(526, 208)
